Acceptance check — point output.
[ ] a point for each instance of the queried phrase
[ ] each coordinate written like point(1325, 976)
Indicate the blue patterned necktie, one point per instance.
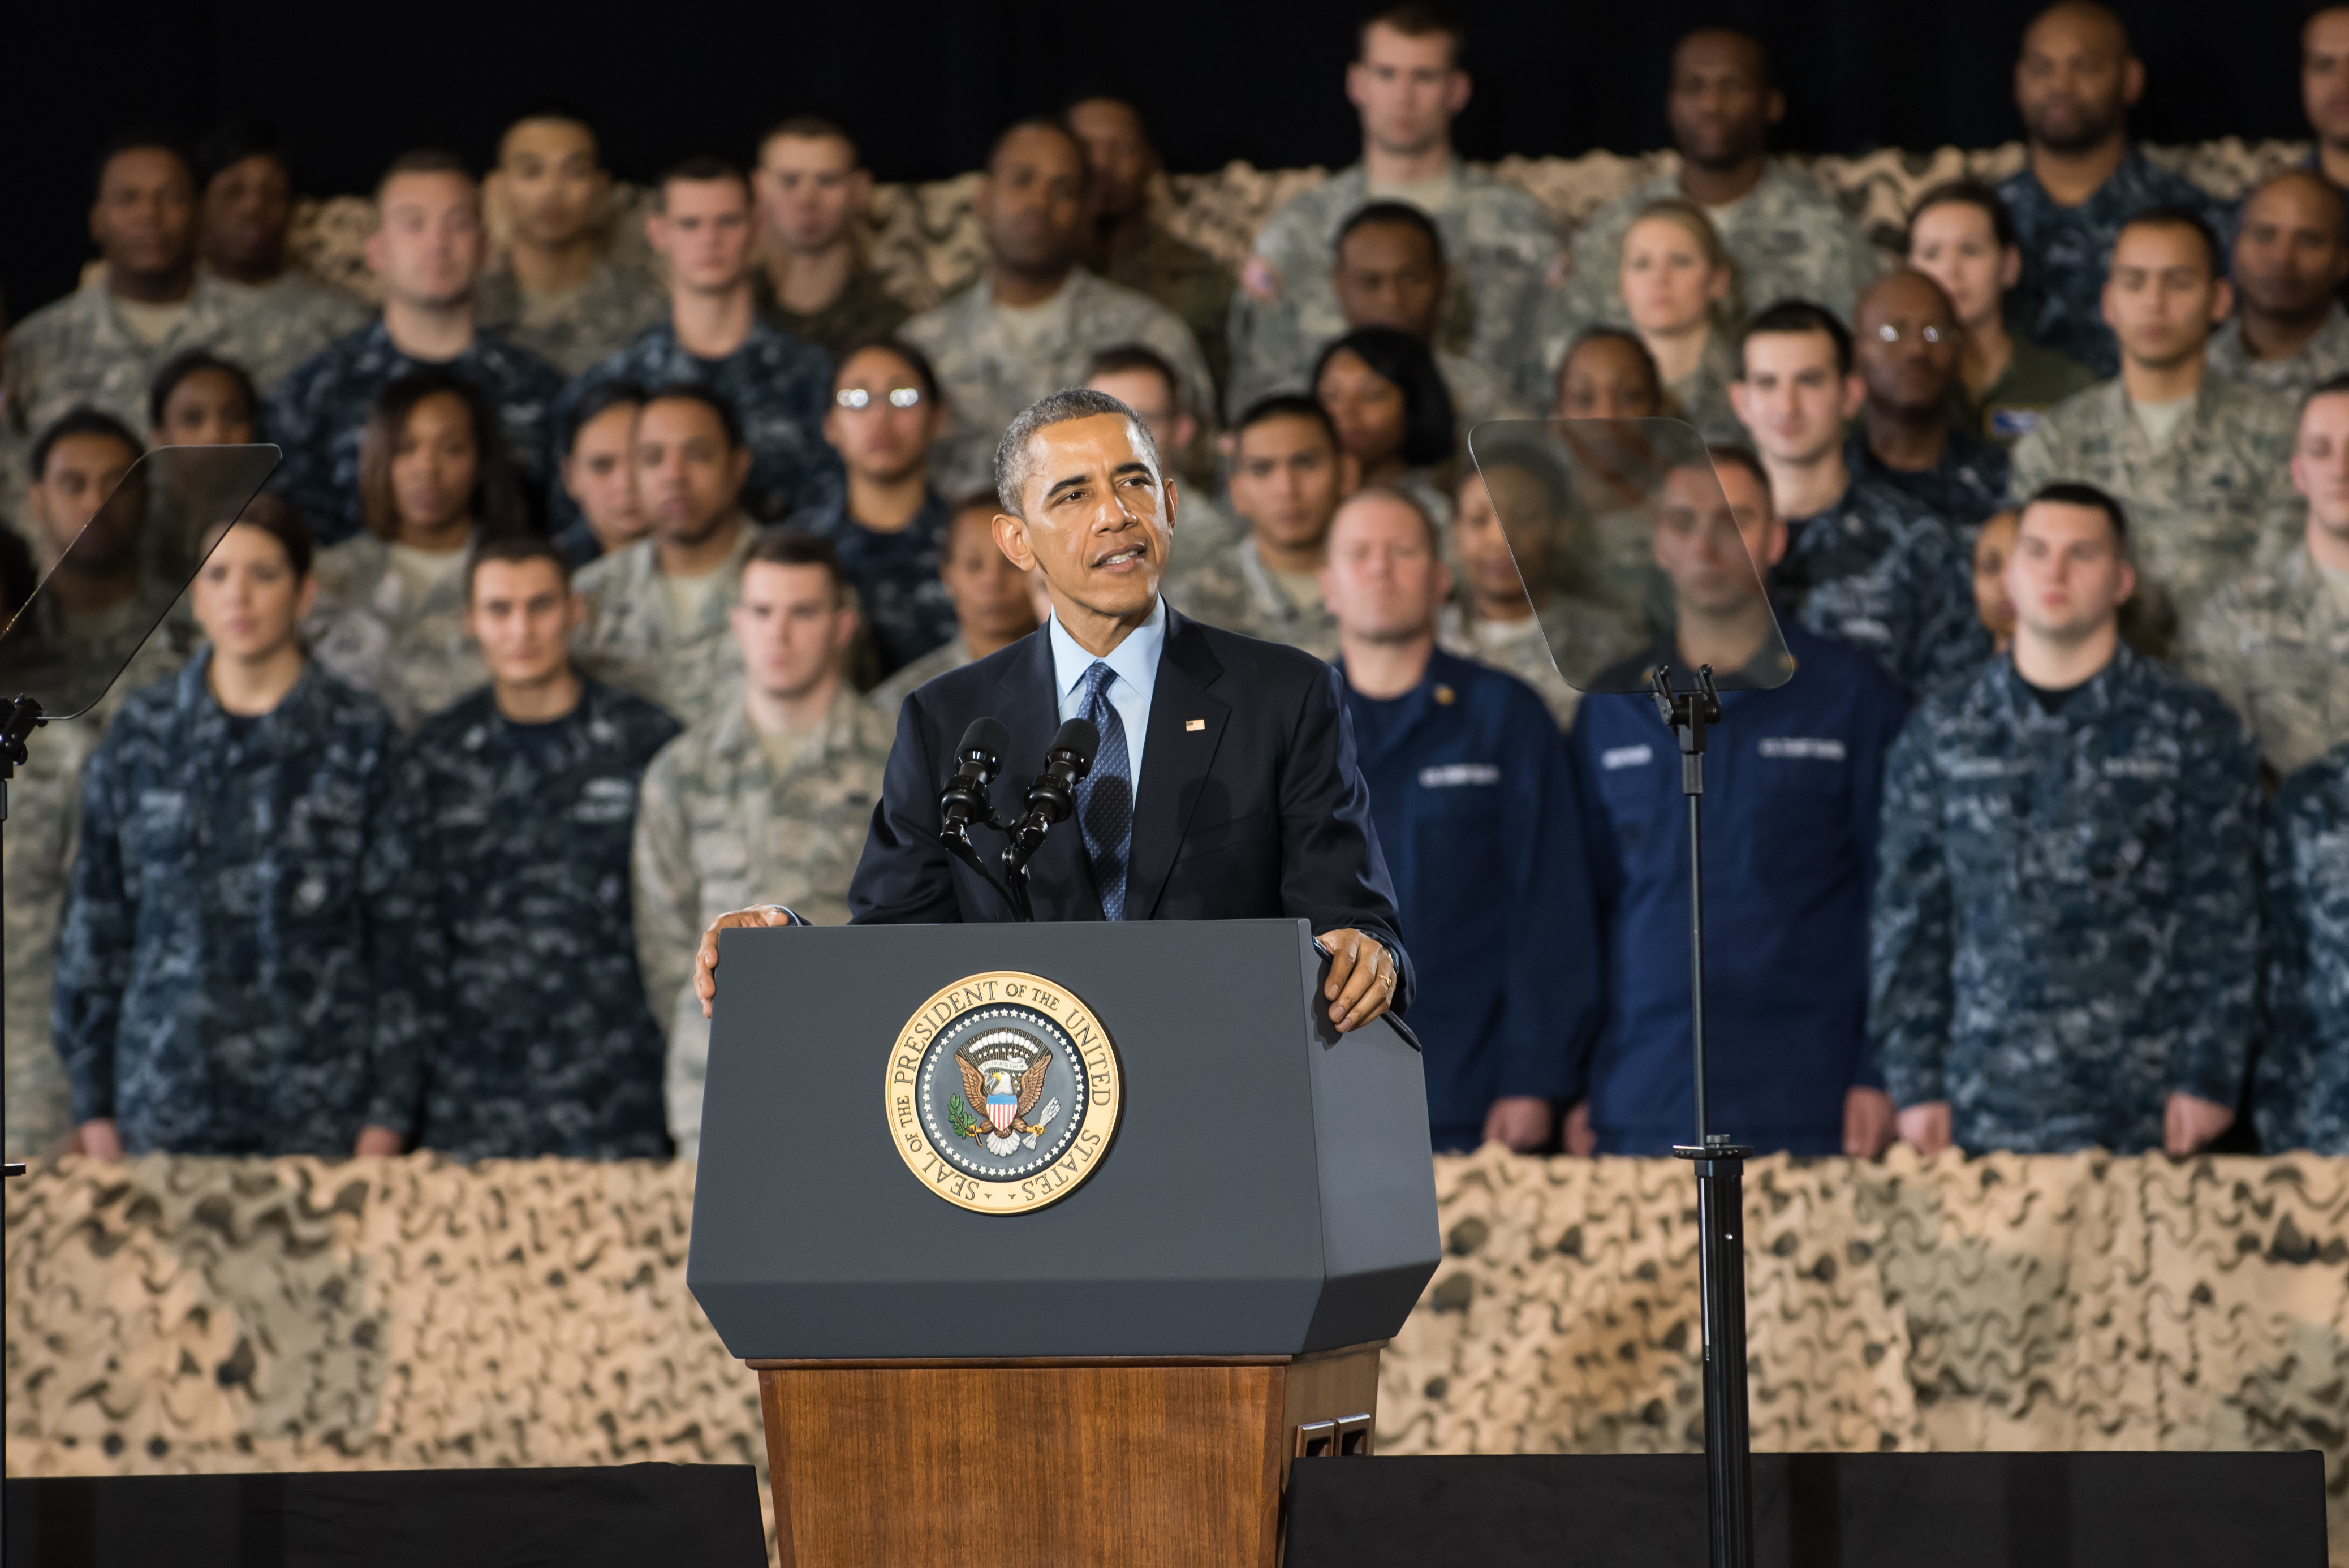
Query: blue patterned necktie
point(1105, 796)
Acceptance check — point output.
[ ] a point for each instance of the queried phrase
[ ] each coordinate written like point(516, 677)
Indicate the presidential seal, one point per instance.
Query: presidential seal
point(1003, 1093)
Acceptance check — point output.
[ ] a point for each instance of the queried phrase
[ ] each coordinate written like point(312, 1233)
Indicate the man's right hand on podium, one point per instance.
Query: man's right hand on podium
point(704, 961)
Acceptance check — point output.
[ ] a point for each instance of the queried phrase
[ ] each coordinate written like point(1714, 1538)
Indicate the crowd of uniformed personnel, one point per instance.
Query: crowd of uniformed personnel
point(581, 608)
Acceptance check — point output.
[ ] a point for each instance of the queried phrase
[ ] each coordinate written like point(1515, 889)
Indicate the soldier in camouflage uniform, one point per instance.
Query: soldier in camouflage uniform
point(1787, 236)
point(1500, 242)
point(2074, 87)
point(658, 610)
point(2066, 924)
point(390, 614)
point(769, 796)
point(520, 803)
point(2275, 641)
point(1288, 478)
point(248, 207)
point(886, 413)
point(1907, 442)
point(427, 251)
point(1032, 323)
point(43, 828)
point(2304, 1071)
point(1863, 563)
point(813, 192)
point(100, 346)
point(2289, 332)
point(558, 295)
point(1388, 271)
point(1131, 250)
point(233, 976)
point(2212, 497)
point(778, 388)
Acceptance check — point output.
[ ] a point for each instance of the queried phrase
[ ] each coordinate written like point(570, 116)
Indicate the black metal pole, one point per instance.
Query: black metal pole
point(17, 717)
point(1693, 785)
point(1720, 1167)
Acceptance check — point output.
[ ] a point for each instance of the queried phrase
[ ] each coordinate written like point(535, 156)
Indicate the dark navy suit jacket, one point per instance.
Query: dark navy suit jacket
point(1258, 812)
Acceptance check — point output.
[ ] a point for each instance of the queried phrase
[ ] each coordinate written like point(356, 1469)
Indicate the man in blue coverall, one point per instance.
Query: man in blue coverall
point(1793, 777)
point(1478, 814)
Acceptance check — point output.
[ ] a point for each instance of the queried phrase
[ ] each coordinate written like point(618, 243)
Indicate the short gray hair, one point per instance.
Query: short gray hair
point(1013, 464)
point(1404, 499)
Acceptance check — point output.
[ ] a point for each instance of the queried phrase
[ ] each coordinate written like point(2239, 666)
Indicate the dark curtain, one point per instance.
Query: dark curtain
point(925, 83)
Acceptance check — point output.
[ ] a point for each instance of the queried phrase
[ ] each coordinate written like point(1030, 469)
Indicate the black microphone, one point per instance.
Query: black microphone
point(1052, 797)
point(977, 760)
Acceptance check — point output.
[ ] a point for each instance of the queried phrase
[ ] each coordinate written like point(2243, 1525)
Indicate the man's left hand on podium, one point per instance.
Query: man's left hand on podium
point(705, 960)
point(1361, 982)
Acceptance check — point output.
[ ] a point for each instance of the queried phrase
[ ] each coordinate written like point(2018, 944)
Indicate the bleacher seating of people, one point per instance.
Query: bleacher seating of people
point(618, 519)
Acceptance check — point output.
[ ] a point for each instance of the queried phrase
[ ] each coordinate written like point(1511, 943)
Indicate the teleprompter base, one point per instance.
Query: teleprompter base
point(1136, 1462)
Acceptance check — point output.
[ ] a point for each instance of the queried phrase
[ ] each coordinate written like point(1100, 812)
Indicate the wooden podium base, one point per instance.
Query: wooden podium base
point(1137, 1463)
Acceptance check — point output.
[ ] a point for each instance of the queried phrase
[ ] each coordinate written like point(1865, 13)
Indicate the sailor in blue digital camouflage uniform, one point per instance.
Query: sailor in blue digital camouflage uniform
point(2066, 928)
point(426, 252)
point(2304, 1073)
point(1477, 812)
point(1793, 777)
point(778, 386)
point(520, 802)
point(1864, 562)
point(229, 976)
point(2073, 86)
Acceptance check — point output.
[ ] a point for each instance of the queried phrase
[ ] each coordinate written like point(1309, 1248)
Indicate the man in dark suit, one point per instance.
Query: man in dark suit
point(1256, 807)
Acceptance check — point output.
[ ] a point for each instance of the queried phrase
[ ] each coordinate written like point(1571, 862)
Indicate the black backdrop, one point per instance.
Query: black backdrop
point(925, 83)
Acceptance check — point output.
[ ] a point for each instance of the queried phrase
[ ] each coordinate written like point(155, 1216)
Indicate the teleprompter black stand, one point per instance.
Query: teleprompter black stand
point(18, 715)
point(1720, 1182)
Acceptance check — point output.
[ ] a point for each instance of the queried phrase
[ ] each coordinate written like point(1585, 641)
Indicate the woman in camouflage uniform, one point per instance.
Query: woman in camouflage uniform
point(433, 478)
point(227, 975)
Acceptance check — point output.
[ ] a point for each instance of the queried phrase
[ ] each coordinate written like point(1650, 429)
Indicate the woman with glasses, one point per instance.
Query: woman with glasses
point(889, 525)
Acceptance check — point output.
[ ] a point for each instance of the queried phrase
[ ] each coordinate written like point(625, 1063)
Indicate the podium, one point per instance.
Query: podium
point(1052, 1243)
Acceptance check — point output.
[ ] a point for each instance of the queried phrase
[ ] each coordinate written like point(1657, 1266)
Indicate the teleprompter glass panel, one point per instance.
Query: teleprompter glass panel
point(111, 583)
point(1631, 554)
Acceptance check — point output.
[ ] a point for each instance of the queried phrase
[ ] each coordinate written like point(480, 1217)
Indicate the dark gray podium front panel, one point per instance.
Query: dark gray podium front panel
point(1268, 1192)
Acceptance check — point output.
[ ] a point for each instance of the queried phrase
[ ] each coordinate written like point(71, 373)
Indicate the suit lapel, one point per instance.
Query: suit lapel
point(1060, 877)
point(1175, 759)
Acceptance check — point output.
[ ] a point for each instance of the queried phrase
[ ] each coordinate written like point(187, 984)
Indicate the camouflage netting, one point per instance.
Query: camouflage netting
point(924, 242)
point(182, 1316)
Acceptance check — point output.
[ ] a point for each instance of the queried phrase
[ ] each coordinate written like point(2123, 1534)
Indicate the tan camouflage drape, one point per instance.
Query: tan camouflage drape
point(185, 1315)
point(923, 239)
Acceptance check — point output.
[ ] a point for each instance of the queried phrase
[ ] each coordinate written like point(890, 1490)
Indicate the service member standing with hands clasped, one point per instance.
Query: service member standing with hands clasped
point(1252, 806)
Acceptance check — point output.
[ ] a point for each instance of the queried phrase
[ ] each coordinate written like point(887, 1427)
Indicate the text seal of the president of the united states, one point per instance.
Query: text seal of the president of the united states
point(1003, 1092)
